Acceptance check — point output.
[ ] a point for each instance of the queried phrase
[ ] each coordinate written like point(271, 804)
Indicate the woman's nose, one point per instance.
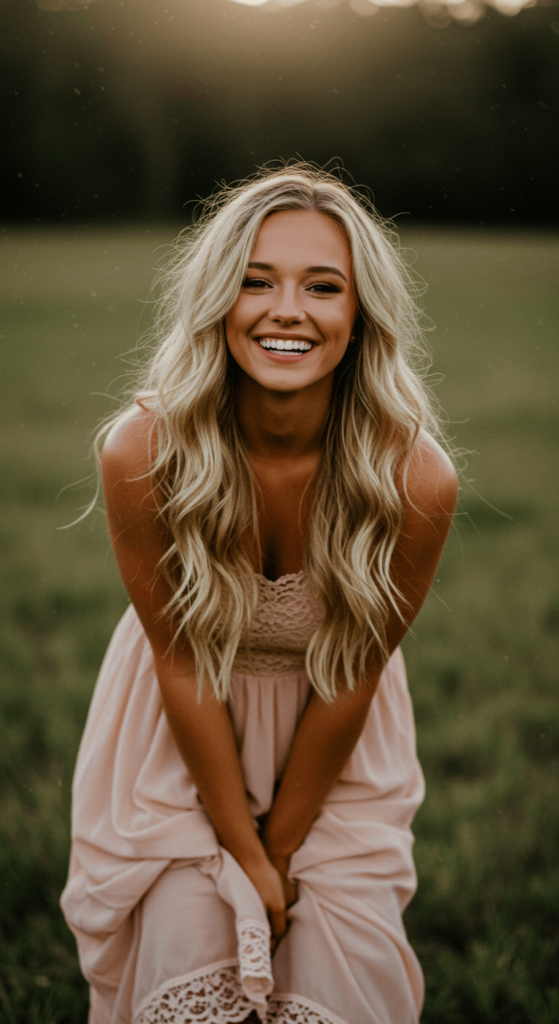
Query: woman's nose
point(287, 306)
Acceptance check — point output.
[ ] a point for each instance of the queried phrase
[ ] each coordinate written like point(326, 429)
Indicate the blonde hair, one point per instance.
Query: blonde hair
point(379, 405)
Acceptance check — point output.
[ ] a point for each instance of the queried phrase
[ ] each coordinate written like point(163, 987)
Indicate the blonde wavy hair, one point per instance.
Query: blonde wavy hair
point(380, 403)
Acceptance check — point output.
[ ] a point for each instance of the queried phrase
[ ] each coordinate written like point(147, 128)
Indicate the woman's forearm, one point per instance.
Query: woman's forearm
point(322, 746)
point(204, 735)
point(328, 733)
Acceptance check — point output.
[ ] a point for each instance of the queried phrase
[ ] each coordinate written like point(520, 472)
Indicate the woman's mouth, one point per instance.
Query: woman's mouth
point(291, 347)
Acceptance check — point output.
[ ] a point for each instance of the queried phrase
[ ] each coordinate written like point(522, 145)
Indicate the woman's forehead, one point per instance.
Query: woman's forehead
point(306, 236)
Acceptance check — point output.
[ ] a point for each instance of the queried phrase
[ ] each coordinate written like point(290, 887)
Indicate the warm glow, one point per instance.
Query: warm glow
point(272, 3)
point(437, 12)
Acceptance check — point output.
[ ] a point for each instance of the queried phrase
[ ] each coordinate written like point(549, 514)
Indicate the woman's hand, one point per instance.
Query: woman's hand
point(281, 865)
point(276, 894)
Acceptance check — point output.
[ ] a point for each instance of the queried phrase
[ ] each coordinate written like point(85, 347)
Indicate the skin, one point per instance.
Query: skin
point(283, 398)
point(282, 403)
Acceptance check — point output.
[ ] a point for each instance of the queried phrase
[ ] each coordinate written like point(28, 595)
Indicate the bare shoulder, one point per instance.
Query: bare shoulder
point(130, 445)
point(128, 455)
point(430, 487)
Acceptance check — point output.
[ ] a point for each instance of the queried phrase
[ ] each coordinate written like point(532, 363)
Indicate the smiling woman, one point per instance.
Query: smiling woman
point(285, 288)
point(277, 507)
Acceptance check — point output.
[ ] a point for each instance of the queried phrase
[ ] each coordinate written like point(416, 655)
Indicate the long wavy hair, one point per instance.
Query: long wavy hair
point(210, 504)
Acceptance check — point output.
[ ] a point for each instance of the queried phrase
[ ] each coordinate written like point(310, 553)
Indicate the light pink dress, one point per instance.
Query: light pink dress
point(169, 927)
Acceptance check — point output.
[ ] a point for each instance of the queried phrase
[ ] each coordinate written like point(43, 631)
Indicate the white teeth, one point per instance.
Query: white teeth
point(281, 345)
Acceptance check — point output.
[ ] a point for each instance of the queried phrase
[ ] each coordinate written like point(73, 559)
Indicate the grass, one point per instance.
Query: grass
point(482, 661)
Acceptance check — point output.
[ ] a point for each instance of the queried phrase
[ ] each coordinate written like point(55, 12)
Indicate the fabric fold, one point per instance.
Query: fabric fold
point(167, 922)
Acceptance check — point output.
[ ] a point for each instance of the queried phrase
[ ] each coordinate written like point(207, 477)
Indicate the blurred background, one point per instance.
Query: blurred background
point(116, 118)
point(128, 110)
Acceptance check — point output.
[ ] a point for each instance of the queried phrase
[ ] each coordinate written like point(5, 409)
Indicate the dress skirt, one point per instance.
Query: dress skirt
point(170, 929)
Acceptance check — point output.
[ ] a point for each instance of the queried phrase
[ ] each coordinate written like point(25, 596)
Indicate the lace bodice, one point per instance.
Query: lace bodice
point(286, 617)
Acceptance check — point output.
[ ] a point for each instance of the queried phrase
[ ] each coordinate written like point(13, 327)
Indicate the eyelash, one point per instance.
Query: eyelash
point(325, 287)
point(253, 281)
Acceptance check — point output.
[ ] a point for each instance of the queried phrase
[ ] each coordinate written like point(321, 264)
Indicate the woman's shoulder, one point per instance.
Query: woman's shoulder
point(128, 456)
point(131, 443)
point(429, 483)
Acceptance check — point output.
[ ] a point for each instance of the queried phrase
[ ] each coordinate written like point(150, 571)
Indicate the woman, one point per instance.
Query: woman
point(277, 507)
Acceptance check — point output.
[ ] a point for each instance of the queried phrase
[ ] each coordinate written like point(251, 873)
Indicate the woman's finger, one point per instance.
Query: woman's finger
point(278, 922)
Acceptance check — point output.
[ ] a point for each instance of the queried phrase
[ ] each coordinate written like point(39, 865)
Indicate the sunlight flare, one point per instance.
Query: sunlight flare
point(437, 12)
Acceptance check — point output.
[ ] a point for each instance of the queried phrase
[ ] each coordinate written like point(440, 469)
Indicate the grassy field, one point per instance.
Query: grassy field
point(482, 663)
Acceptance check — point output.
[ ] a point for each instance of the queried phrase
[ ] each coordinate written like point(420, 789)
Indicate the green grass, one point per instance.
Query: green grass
point(482, 663)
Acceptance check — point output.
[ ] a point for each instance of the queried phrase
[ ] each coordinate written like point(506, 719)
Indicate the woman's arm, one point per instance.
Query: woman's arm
point(202, 728)
point(328, 733)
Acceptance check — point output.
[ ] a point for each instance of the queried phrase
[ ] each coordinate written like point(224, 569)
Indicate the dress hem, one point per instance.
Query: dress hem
point(308, 1011)
point(217, 982)
point(218, 988)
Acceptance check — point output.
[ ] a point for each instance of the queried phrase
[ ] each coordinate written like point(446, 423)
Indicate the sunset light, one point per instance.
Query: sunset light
point(437, 12)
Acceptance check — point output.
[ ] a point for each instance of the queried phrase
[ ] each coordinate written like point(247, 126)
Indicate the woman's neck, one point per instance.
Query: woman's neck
point(282, 425)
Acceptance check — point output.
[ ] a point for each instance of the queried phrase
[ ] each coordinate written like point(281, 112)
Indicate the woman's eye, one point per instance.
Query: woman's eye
point(254, 282)
point(324, 288)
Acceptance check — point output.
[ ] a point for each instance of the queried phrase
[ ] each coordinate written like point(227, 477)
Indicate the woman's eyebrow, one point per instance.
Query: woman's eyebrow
point(309, 270)
point(326, 270)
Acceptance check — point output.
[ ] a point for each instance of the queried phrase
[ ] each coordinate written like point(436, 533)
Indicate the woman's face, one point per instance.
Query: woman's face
point(294, 316)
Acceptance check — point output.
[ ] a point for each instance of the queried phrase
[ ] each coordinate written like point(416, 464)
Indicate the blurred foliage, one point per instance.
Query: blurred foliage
point(130, 110)
point(482, 661)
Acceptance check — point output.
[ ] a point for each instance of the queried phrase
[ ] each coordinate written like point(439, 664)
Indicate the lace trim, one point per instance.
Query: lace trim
point(286, 617)
point(254, 959)
point(212, 996)
point(287, 1009)
point(282, 581)
point(215, 996)
point(267, 663)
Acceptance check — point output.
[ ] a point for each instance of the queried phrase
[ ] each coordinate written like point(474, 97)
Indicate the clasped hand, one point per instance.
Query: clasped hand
point(277, 894)
point(269, 877)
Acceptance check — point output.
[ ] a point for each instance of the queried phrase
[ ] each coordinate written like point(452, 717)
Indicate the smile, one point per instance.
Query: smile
point(285, 344)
